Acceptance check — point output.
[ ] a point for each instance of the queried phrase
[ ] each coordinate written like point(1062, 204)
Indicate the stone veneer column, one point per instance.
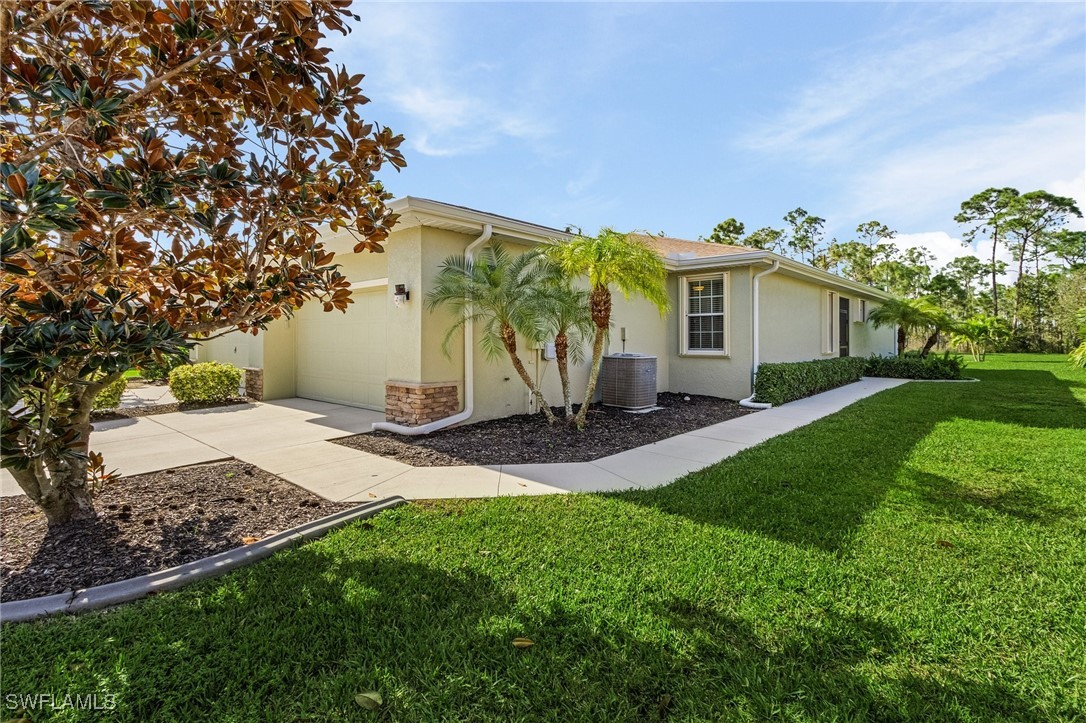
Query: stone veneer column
point(415, 403)
point(254, 383)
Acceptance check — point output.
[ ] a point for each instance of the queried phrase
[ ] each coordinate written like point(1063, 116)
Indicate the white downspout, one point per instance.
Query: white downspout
point(755, 329)
point(469, 369)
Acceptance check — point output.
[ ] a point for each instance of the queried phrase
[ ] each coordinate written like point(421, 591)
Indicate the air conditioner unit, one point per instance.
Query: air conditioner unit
point(628, 381)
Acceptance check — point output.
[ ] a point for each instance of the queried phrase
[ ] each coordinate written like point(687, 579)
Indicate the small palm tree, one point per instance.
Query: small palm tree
point(609, 258)
point(979, 333)
point(911, 316)
point(1077, 357)
point(568, 320)
point(499, 290)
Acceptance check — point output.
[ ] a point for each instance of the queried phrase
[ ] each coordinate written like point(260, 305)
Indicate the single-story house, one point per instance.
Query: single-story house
point(385, 353)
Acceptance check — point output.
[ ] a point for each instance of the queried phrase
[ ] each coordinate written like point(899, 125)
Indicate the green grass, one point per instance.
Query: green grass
point(919, 556)
point(132, 374)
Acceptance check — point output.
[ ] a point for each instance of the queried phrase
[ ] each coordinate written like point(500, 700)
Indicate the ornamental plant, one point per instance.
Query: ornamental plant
point(164, 168)
point(205, 382)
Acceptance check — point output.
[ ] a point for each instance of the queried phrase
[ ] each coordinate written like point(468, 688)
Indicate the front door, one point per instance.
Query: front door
point(843, 324)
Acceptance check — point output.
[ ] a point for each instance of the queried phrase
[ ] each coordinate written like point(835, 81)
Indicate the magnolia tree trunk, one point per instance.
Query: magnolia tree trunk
point(59, 483)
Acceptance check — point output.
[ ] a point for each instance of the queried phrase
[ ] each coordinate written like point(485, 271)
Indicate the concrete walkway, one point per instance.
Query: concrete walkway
point(289, 438)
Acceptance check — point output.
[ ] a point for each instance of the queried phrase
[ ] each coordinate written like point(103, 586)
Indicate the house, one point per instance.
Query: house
point(385, 352)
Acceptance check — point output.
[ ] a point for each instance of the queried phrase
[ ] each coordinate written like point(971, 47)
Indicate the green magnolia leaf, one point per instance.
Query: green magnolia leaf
point(370, 700)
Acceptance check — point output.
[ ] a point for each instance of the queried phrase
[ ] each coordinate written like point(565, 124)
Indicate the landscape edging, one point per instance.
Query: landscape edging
point(114, 593)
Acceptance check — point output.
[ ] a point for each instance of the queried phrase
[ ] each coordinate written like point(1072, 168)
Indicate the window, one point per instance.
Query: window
point(862, 316)
point(704, 323)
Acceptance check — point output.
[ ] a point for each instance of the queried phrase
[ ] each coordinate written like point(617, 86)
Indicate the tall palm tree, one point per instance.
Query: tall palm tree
point(609, 258)
point(499, 291)
point(567, 319)
point(911, 316)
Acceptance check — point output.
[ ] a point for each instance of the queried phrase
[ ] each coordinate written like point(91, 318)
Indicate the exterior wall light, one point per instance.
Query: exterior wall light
point(400, 295)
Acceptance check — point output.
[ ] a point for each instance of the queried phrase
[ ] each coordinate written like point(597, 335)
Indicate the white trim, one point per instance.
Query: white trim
point(370, 284)
point(830, 319)
point(684, 303)
point(790, 266)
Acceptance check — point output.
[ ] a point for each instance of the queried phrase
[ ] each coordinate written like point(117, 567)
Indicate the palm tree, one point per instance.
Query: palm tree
point(568, 320)
point(979, 333)
point(609, 258)
point(500, 291)
point(910, 316)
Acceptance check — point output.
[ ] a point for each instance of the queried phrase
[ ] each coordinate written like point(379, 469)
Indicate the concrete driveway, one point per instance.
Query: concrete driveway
point(289, 438)
point(263, 434)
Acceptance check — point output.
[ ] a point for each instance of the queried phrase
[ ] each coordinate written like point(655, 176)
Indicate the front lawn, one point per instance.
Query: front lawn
point(918, 556)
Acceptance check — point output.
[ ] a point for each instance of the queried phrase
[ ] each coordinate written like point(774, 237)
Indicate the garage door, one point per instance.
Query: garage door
point(341, 357)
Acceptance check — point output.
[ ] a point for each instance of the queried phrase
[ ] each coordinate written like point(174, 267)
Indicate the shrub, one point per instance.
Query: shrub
point(915, 367)
point(205, 382)
point(110, 396)
point(154, 371)
point(779, 383)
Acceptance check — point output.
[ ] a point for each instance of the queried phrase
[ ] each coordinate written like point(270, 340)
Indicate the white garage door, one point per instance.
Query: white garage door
point(341, 357)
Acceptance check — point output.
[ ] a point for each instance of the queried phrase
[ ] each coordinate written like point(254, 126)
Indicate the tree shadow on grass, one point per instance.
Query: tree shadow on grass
point(298, 637)
point(815, 486)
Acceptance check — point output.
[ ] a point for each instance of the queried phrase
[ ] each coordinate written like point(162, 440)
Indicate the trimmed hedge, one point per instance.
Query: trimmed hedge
point(110, 396)
point(205, 382)
point(912, 366)
point(782, 382)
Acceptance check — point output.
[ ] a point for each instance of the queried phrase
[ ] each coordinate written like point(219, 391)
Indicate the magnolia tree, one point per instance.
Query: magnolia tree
point(165, 168)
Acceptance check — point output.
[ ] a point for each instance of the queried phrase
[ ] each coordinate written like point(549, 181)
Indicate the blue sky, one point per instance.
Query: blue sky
point(671, 117)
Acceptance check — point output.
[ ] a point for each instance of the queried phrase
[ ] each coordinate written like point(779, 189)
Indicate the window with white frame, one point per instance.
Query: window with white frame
point(704, 324)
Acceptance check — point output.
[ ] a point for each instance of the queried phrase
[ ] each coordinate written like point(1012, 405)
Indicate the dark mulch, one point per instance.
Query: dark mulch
point(527, 438)
point(131, 412)
point(147, 523)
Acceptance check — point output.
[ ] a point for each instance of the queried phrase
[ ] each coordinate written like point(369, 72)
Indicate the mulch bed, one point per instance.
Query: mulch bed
point(527, 438)
point(146, 523)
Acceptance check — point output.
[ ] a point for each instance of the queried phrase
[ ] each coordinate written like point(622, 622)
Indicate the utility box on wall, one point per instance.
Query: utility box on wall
point(628, 381)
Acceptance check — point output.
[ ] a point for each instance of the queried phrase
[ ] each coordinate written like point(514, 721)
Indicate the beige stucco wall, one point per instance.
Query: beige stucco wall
point(794, 314)
point(792, 321)
point(727, 375)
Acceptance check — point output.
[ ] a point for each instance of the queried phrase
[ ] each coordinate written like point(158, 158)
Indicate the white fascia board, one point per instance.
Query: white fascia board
point(422, 210)
point(790, 266)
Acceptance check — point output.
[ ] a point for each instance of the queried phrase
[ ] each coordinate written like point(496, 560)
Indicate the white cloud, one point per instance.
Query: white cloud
point(925, 182)
point(451, 108)
point(865, 95)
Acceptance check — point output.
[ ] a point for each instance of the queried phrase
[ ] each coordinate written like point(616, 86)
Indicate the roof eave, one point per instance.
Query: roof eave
point(795, 267)
point(417, 211)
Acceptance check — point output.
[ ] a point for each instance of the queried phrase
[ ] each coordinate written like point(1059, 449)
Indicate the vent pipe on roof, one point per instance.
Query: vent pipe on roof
point(755, 340)
point(469, 368)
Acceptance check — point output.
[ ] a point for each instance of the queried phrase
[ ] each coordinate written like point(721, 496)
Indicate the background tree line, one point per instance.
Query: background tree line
point(1036, 310)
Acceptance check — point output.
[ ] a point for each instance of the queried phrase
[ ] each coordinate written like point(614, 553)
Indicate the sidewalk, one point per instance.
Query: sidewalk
point(290, 437)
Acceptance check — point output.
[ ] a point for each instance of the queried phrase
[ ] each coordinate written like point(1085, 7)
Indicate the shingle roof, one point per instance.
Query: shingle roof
point(665, 246)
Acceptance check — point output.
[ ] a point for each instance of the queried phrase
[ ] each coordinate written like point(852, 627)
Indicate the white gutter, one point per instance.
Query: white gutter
point(469, 369)
point(754, 333)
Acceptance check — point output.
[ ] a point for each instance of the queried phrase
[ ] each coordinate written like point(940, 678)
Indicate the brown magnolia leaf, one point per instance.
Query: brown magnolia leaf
point(945, 544)
point(370, 700)
point(523, 643)
point(17, 184)
point(248, 540)
point(160, 17)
